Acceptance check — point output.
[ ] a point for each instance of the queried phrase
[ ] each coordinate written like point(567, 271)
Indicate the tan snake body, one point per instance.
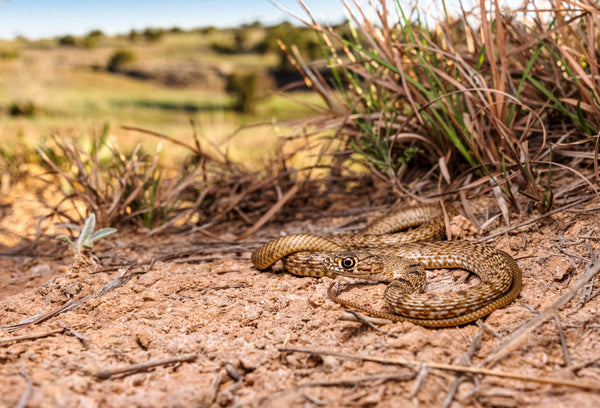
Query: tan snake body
point(389, 258)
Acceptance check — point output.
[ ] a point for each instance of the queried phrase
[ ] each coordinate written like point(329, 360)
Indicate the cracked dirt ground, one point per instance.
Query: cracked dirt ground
point(188, 297)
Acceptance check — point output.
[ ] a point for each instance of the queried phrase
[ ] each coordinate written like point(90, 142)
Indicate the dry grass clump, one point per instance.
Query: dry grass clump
point(488, 100)
point(119, 187)
point(511, 97)
point(136, 188)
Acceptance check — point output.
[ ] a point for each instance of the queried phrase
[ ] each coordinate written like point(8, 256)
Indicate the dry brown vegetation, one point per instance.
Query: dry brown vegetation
point(496, 109)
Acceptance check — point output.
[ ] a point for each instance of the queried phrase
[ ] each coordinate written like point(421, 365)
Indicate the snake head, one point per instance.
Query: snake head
point(352, 264)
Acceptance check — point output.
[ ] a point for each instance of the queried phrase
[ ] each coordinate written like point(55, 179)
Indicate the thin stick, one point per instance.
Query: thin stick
point(563, 340)
point(173, 140)
point(104, 374)
point(466, 359)
point(419, 380)
point(75, 334)
point(449, 367)
point(353, 382)
point(351, 317)
point(508, 345)
point(532, 220)
point(24, 400)
point(349, 382)
point(366, 321)
point(4, 340)
point(269, 214)
point(71, 304)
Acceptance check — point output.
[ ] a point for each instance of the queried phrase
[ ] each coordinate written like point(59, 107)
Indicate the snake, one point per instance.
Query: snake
point(382, 252)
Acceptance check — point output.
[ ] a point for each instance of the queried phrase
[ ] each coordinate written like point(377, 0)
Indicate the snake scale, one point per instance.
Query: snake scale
point(381, 253)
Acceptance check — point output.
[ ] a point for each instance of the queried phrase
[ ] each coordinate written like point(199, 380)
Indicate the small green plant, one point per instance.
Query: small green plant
point(88, 236)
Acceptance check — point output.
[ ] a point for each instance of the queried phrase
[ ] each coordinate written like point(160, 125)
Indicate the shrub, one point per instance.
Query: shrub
point(26, 108)
point(95, 33)
point(240, 39)
point(221, 48)
point(208, 30)
point(489, 94)
point(119, 59)
point(153, 34)
point(67, 40)
point(243, 88)
point(91, 39)
point(9, 54)
point(133, 35)
point(247, 88)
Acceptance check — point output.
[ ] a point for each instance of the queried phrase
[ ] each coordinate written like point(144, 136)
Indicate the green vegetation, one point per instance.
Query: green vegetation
point(500, 107)
point(26, 108)
point(493, 100)
point(119, 59)
point(153, 34)
point(92, 38)
point(67, 40)
point(87, 237)
point(171, 82)
point(9, 54)
point(247, 88)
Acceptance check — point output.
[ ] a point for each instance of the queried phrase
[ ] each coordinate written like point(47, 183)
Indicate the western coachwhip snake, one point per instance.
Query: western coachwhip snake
point(379, 253)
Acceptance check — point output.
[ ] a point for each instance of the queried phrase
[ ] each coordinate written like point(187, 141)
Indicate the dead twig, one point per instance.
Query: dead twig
point(366, 321)
point(351, 317)
point(419, 380)
point(463, 359)
point(563, 340)
point(71, 304)
point(5, 340)
point(134, 368)
point(450, 367)
point(74, 333)
point(511, 341)
point(349, 382)
point(272, 211)
point(24, 400)
point(353, 382)
point(533, 220)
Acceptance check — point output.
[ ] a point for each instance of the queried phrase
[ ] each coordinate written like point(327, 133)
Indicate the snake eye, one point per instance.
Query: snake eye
point(348, 263)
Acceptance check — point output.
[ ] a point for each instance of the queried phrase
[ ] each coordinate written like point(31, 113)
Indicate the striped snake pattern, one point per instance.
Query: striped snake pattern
point(400, 258)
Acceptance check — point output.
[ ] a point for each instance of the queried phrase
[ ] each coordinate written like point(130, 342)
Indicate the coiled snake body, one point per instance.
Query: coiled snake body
point(379, 254)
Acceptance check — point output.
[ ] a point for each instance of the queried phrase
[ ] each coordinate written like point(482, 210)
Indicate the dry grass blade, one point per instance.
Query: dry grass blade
point(6, 340)
point(450, 367)
point(117, 187)
point(512, 341)
point(269, 214)
point(475, 105)
point(24, 400)
point(134, 368)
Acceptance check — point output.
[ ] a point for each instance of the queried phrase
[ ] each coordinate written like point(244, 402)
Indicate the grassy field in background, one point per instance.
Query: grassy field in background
point(74, 95)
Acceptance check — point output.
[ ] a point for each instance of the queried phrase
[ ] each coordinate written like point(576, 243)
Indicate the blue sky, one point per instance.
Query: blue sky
point(47, 18)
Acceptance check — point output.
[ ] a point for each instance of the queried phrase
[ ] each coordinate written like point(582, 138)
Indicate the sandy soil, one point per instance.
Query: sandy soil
point(204, 303)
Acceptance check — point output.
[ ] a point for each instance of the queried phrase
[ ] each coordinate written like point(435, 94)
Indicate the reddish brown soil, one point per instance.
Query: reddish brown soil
point(215, 305)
